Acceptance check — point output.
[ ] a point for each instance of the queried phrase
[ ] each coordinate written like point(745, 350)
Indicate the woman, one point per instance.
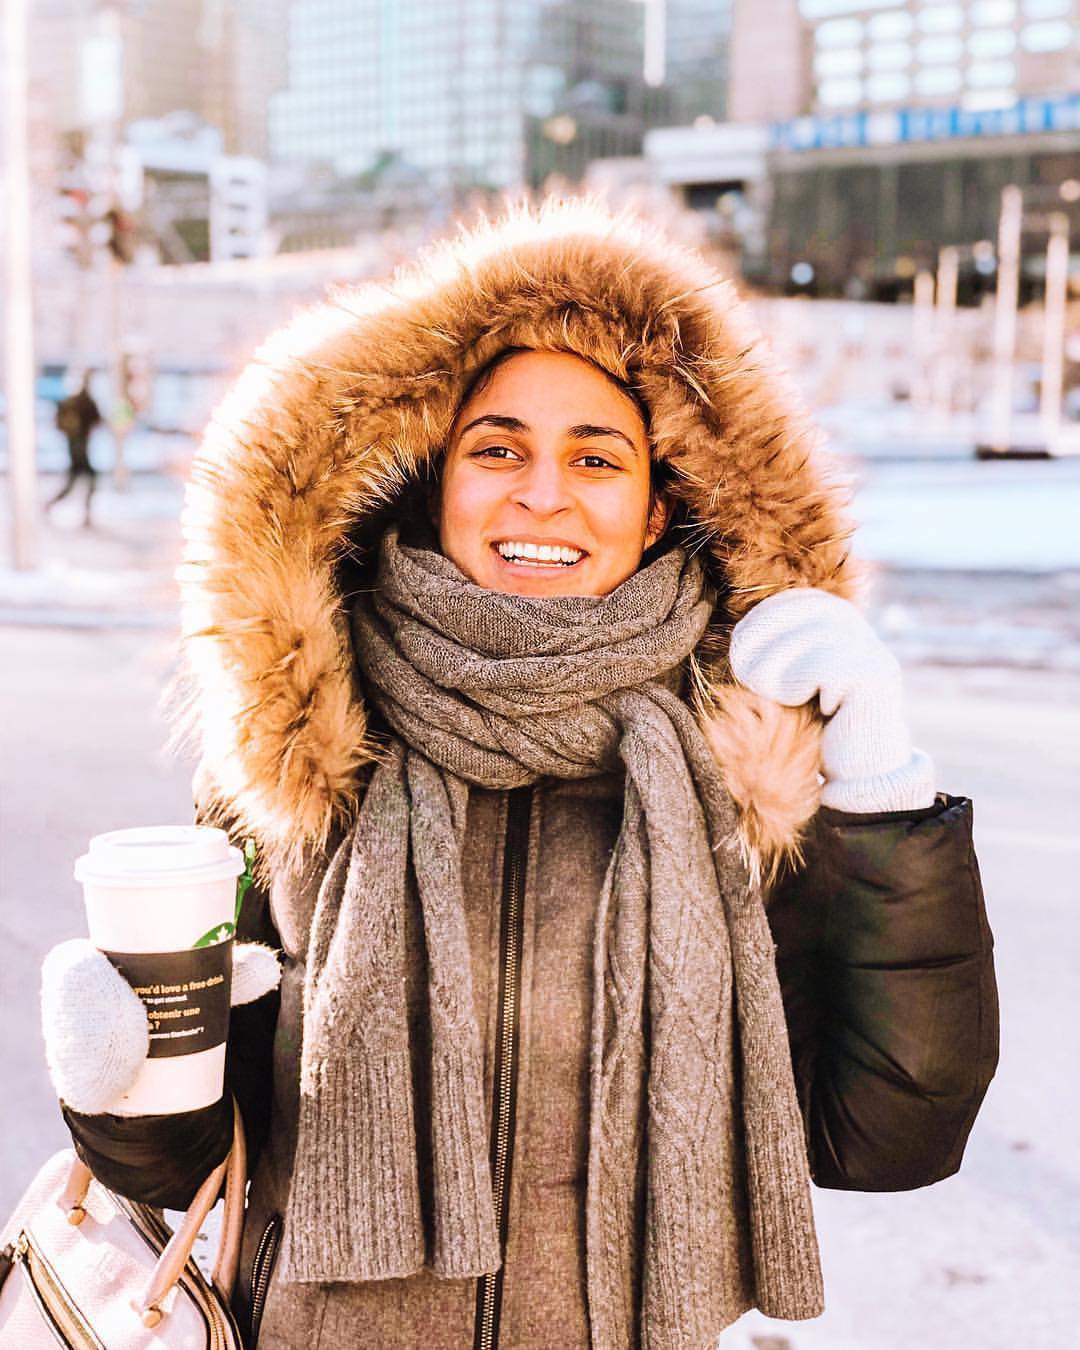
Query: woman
point(516, 610)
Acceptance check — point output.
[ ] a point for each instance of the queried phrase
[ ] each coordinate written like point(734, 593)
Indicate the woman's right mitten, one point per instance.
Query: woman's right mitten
point(95, 1027)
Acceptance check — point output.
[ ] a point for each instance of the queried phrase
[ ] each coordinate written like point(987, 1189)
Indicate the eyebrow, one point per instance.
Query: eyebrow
point(584, 431)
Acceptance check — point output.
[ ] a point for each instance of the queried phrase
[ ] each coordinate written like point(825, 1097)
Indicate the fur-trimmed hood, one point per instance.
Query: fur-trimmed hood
point(344, 407)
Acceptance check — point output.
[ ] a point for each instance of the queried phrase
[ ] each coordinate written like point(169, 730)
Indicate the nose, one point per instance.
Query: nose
point(542, 489)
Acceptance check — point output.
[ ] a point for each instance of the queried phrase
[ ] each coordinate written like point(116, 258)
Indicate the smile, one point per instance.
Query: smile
point(538, 555)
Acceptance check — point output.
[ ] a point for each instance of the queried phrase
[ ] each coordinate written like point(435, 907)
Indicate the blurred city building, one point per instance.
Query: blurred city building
point(486, 97)
point(602, 72)
point(151, 115)
point(823, 147)
point(368, 115)
point(220, 60)
point(586, 93)
point(865, 135)
point(196, 203)
point(695, 38)
point(437, 85)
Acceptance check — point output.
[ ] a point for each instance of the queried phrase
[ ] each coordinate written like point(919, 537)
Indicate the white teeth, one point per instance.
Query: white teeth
point(539, 553)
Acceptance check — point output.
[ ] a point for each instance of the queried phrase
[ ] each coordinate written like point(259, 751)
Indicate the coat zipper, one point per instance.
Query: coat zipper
point(261, 1270)
point(489, 1288)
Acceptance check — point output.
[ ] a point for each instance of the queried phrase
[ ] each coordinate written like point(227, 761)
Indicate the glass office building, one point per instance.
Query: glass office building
point(437, 83)
point(697, 40)
point(980, 53)
point(489, 93)
point(916, 113)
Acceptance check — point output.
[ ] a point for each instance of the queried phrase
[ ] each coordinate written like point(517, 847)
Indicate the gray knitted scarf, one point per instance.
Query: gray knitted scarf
point(698, 1201)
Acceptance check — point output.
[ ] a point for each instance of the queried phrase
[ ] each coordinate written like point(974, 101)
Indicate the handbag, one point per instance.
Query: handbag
point(85, 1268)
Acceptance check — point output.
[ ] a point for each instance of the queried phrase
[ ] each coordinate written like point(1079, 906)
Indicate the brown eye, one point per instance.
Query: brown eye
point(494, 452)
point(596, 462)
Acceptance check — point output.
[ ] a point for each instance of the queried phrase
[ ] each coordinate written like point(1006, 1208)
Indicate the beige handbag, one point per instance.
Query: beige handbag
point(83, 1268)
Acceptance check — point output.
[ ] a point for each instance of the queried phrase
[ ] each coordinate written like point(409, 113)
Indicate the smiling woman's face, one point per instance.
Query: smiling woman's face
point(546, 484)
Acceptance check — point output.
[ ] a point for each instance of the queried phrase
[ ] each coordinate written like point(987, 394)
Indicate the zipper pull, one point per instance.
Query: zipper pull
point(9, 1255)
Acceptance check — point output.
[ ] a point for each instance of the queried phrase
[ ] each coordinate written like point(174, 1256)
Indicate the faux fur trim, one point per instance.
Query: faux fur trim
point(341, 409)
point(769, 756)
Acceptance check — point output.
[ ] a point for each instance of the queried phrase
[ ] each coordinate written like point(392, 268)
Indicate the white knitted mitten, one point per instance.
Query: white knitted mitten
point(95, 1028)
point(805, 642)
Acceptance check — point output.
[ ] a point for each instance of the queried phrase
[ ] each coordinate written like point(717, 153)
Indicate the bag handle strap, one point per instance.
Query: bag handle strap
point(177, 1251)
point(223, 1276)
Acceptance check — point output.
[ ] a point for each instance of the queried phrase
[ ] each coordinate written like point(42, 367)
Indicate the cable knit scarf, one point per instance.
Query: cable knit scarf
point(698, 1200)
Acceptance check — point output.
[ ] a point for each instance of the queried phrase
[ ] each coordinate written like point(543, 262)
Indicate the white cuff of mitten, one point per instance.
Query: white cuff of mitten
point(909, 787)
point(868, 761)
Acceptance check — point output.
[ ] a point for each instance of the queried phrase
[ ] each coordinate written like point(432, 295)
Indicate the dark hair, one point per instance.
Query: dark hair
point(660, 473)
point(483, 377)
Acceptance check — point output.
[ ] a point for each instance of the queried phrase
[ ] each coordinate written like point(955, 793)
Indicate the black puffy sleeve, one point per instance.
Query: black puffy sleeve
point(885, 961)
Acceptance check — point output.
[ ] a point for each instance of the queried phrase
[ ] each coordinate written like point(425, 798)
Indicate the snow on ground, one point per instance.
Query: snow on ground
point(1012, 515)
point(120, 570)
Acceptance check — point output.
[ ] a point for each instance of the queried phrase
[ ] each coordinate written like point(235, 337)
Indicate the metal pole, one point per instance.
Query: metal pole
point(654, 70)
point(1008, 294)
point(922, 332)
point(120, 418)
point(945, 365)
point(18, 306)
point(1053, 359)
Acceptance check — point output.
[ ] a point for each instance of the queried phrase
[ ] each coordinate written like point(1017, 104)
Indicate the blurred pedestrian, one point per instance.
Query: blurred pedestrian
point(519, 630)
point(76, 417)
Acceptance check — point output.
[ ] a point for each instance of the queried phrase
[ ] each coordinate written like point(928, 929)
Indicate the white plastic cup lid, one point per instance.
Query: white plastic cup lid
point(159, 855)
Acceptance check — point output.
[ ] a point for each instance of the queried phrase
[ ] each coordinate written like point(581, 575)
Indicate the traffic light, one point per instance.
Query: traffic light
point(76, 224)
point(93, 220)
point(122, 234)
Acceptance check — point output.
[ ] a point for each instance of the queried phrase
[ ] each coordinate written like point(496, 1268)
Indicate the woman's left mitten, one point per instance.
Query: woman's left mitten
point(805, 643)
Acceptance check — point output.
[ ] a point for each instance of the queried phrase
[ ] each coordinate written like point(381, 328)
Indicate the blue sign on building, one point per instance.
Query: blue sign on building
point(905, 125)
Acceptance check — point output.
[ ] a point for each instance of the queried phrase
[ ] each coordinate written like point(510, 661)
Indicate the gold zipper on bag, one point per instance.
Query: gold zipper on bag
point(155, 1232)
point(489, 1287)
point(58, 1309)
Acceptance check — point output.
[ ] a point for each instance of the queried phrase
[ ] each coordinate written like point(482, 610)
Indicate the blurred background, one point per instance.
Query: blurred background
point(895, 187)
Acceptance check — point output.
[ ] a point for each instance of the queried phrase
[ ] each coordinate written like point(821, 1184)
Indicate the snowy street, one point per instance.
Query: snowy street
point(1016, 515)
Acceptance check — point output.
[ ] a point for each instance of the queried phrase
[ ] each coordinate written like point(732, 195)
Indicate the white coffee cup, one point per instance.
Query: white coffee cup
point(161, 904)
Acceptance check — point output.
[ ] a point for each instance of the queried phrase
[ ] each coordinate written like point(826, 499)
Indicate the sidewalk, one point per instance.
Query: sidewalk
point(118, 574)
